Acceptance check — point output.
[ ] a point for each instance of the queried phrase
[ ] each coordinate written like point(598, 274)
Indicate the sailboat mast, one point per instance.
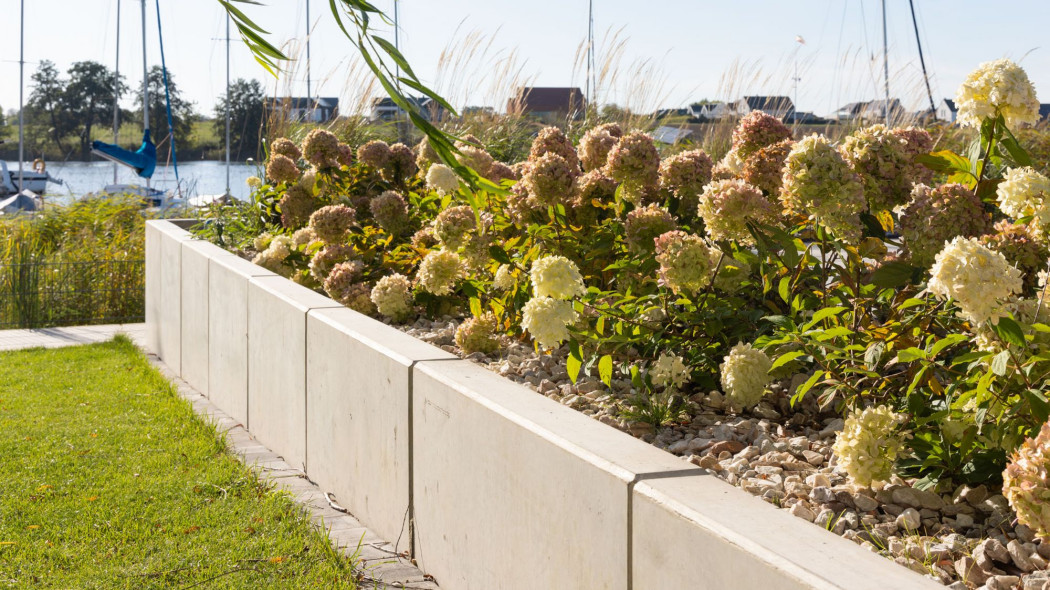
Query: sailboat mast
point(116, 106)
point(227, 103)
point(922, 60)
point(886, 65)
point(590, 47)
point(145, 79)
point(21, 91)
point(309, 102)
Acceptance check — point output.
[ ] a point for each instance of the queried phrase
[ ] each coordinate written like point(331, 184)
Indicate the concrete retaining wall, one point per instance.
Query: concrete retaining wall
point(489, 484)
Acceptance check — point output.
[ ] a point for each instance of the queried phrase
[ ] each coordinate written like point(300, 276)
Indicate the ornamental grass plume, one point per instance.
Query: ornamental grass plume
point(556, 277)
point(281, 168)
point(686, 261)
point(332, 223)
point(686, 173)
point(998, 87)
point(552, 140)
point(442, 179)
point(453, 226)
point(869, 444)
point(819, 184)
point(547, 320)
point(296, 206)
point(549, 180)
point(1021, 247)
point(326, 258)
point(1025, 192)
point(634, 163)
point(765, 168)
point(643, 225)
point(669, 371)
point(745, 375)
point(476, 334)
point(392, 296)
point(727, 205)
point(374, 153)
point(342, 279)
point(286, 147)
point(756, 131)
point(936, 215)
point(321, 148)
point(439, 271)
point(400, 165)
point(883, 163)
point(390, 212)
point(594, 148)
point(979, 280)
point(1026, 483)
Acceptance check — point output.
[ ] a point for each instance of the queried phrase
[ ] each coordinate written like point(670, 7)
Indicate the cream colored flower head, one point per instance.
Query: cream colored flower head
point(547, 320)
point(980, 280)
point(476, 334)
point(1025, 192)
point(745, 375)
point(869, 444)
point(253, 181)
point(557, 277)
point(392, 297)
point(1026, 485)
point(504, 278)
point(442, 179)
point(727, 205)
point(439, 271)
point(669, 371)
point(997, 87)
point(818, 183)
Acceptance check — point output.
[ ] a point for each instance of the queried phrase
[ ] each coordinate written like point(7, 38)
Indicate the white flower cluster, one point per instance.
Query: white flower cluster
point(997, 87)
point(439, 271)
point(392, 296)
point(727, 205)
point(1025, 193)
point(1026, 485)
point(504, 278)
point(669, 371)
point(980, 280)
point(820, 184)
point(745, 375)
point(557, 277)
point(547, 320)
point(869, 445)
point(442, 179)
point(272, 258)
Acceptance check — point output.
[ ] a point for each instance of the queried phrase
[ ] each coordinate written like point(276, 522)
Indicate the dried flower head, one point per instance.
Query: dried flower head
point(552, 140)
point(326, 258)
point(286, 147)
point(453, 226)
point(643, 225)
point(281, 168)
point(687, 263)
point(341, 280)
point(936, 215)
point(549, 180)
point(756, 131)
point(476, 334)
point(332, 223)
point(374, 153)
point(321, 148)
point(390, 212)
point(595, 146)
point(686, 173)
point(296, 206)
point(1026, 483)
point(635, 163)
point(765, 168)
point(400, 165)
point(727, 205)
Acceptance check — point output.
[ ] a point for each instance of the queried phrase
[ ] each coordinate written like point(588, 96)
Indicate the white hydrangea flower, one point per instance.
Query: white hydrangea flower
point(262, 241)
point(999, 86)
point(669, 371)
point(869, 445)
point(745, 375)
point(392, 296)
point(504, 279)
point(280, 247)
point(439, 271)
point(442, 179)
point(253, 181)
point(1023, 193)
point(547, 320)
point(304, 236)
point(557, 277)
point(980, 280)
point(818, 183)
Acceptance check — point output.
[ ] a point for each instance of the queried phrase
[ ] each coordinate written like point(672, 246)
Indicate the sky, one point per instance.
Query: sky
point(651, 54)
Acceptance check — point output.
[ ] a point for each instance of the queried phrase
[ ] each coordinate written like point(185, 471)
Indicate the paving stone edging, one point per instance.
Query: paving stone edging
point(502, 488)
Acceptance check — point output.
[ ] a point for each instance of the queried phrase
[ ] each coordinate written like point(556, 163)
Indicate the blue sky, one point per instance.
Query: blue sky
point(669, 52)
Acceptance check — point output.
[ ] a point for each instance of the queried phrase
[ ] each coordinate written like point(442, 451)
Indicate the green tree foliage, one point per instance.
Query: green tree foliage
point(88, 99)
point(46, 101)
point(246, 118)
point(183, 113)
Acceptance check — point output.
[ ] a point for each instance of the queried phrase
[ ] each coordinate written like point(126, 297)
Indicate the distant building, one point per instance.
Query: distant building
point(385, 109)
point(780, 107)
point(664, 113)
point(1044, 112)
point(547, 103)
point(670, 135)
point(875, 111)
point(319, 109)
point(849, 112)
point(485, 111)
point(713, 110)
point(947, 111)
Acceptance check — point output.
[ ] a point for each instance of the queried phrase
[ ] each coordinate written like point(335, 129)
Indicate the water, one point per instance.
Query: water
point(201, 177)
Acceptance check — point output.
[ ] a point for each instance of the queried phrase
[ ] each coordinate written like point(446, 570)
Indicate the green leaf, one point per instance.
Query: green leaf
point(1039, 404)
point(573, 364)
point(1010, 331)
point(949, 340)
point(873, 355)
point(605, 369)
point(805, 387)
point(944, 162)
point(784, 289)
point(893, 274)
point(999, 363)
point(475, 307)
point(822, 314)
point(786, 358)
point(910, 354)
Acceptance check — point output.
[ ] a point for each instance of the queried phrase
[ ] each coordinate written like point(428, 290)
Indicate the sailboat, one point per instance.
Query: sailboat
point(143, 160)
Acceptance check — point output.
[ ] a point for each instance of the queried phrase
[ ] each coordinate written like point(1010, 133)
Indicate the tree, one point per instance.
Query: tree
point(46, 104)
point(89, 98)
point(246, 117)
point(183, 114)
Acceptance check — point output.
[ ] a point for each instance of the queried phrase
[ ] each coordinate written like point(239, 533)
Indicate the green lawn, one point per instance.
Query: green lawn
point(109, 480)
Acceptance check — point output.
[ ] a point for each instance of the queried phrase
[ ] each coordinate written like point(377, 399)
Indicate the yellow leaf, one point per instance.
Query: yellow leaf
point(277, 559)
point(33, 527)
point(8, 543)
point(92, 498)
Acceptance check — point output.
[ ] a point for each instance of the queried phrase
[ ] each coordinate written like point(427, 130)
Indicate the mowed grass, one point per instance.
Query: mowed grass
point(109, 480)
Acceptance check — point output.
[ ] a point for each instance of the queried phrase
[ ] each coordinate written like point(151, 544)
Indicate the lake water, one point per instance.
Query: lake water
point(196, 178)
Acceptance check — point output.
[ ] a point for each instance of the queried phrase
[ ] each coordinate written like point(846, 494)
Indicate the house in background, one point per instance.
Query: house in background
point(712, 110)
point(670, 135)
point(875, 111)
point(385, 109)
point(780, 107)
point(548, 104)
point(319, 109)
point(947, 111)
point(849, 112)
point(1044, 112)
